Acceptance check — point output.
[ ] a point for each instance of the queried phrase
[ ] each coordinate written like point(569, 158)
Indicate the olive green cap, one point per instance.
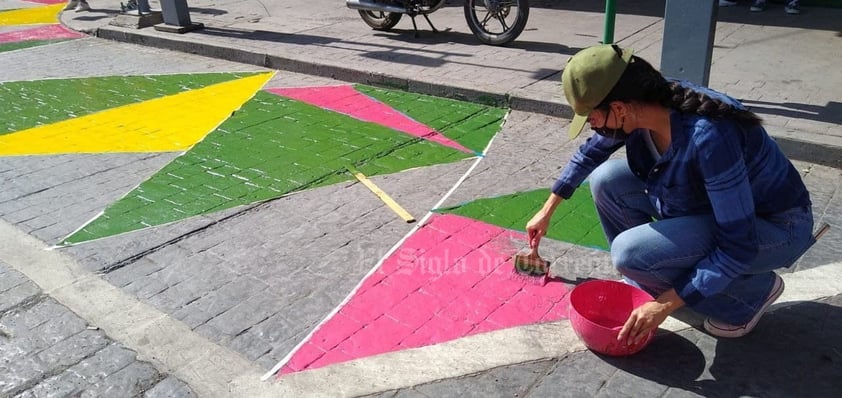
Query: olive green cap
point(588, 78)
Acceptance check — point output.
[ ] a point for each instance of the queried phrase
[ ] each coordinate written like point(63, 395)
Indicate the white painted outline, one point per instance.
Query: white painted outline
point(391, 251)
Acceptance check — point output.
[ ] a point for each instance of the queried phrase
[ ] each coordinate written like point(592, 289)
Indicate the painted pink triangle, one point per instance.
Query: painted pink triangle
point(46, 32)
point(347, 100)
point(451, 279)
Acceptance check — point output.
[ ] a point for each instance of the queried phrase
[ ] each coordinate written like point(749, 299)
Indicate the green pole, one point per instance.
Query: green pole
point(608, 36)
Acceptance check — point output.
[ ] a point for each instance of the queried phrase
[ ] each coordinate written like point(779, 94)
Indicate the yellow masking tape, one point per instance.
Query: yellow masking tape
point(383, 196)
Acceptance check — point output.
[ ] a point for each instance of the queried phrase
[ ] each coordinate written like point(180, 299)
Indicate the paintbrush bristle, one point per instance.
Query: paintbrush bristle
point(530, 268)
point(530, 264)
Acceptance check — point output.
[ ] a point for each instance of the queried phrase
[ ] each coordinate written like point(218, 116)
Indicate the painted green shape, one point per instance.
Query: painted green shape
point(272, 146)
point(34, 103)
point(472, 125)
point(574, 221)
point(19, 45)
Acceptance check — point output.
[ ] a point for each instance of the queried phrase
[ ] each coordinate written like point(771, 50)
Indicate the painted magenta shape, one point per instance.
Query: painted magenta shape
point(442, 284)
point(347, 100)
point(46, 32)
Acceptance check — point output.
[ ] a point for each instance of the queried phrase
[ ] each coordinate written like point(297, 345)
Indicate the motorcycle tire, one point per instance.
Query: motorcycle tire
point(379, 20)
point(493, 25)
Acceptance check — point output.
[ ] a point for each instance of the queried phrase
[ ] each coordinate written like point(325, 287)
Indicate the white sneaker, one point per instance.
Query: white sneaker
point(83, 6)
point(71, 5)
point(721, 329)
point(727, 3)
point(758, 6)
point(792, 10)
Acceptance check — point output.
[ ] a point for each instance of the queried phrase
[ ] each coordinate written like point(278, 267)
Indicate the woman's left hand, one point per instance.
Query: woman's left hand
point(647, 317)
point(643, 320)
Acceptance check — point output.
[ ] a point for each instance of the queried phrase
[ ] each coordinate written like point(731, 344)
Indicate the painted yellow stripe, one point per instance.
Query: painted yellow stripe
point(400, 211)
point(31, 16)
point(171, 123)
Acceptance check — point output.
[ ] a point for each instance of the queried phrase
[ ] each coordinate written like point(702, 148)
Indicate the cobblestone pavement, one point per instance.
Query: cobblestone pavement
point(47, 350)
point(211, 301)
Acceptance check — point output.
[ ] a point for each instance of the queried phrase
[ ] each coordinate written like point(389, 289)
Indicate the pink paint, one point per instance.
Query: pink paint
point(434, 289)
point(46, 32)
point(347, 100)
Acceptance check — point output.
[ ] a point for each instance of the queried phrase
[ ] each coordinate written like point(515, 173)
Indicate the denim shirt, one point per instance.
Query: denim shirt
point(712, 167)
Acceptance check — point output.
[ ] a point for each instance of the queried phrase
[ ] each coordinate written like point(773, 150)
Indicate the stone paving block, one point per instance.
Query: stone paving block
point(147, 287)
point(139, 269)
point(272, 358)
point(251, 345)
point(171, 254)
point(218, 301)
point(70, 351)
point(189, 290)
point(22, 215)
point(42, 221)
point(9, 277)
point(623, 384)
point(106, 361)
point(130, 381)
point(499, 382)
point(11, 206)
point(170, 387)
point(73, 380)
point(40, 326)
point(20, 374)
point(251, 311)
point(578, 374)
point(17, 295)
point(65, 384)
point(57, 329)
point(213, 333)
point(678, 393)
point(404, 394)
point(31, 316)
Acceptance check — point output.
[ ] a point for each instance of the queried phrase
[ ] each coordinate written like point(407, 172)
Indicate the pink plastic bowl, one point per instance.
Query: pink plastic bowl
point(598, 311)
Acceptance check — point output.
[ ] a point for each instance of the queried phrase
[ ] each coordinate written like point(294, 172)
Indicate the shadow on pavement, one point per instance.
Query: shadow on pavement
point(392, 53)
point(830, 113)
point(207, 11)
point(811, 18)
point(96, 15)
point(449, 36)
point(794, 352)
point(264, 35)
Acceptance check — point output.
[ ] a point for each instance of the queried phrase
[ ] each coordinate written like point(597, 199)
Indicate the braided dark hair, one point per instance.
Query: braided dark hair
point(643, 83)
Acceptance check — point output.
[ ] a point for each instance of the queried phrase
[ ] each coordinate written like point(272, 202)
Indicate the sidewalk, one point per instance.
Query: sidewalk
point(213, 302)
point(784, 67)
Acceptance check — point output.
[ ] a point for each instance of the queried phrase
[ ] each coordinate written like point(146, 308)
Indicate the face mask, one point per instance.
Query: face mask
point(614, 134)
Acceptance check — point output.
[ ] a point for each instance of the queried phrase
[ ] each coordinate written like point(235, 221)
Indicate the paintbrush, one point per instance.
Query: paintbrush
point(530, 267)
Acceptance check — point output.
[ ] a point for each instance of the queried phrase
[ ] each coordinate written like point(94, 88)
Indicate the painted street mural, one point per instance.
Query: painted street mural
point(452, 278)
point(240, 142)
point(33, 26)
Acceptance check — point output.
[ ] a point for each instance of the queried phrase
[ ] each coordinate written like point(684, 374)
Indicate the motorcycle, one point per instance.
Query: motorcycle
point(494, 22)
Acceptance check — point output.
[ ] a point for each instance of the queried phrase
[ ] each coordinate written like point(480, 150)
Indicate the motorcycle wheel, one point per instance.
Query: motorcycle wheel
point(379, 20)
point(496, 22)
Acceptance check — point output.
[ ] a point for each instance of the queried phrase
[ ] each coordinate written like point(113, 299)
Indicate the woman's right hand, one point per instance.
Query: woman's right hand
point(537, 227)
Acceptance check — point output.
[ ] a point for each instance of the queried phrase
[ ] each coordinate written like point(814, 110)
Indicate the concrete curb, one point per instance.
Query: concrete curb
point(515, 101)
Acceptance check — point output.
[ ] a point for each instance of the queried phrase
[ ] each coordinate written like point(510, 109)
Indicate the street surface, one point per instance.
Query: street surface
point(176, 225)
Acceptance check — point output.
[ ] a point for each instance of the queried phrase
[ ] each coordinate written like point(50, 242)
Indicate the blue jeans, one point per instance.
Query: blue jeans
point(654, 254)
